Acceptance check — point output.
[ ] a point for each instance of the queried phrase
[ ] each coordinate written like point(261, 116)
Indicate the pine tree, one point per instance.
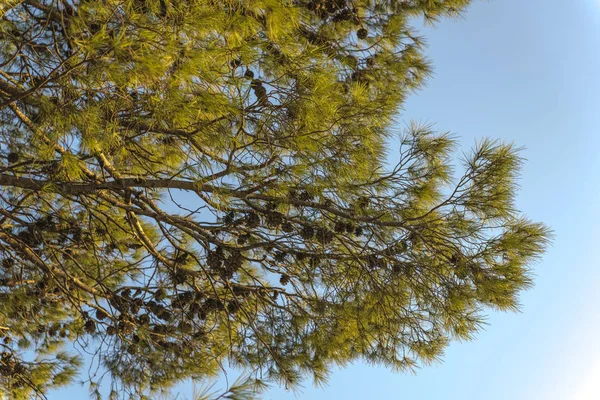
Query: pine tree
point(188, 184)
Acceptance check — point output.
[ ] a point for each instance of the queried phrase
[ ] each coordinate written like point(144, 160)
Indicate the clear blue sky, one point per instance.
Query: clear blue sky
point(528, 72)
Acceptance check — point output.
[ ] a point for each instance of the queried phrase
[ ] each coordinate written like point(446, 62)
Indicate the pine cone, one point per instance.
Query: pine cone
point(229, 218)
point(233, 307)
point(12, 158)
point(284, 279)
point(159, 294)
point(307, 233)
point(90, 326)
point(324, 235)
point(305, 196)
point(280, 256)
point(242, 239)
point(101, 314)
point(252, 220)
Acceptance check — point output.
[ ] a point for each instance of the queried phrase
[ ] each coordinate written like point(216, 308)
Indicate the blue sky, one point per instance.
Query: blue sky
point(527, 72)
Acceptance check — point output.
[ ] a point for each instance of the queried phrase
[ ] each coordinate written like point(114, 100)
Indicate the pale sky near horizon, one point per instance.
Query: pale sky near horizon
point(527, 72)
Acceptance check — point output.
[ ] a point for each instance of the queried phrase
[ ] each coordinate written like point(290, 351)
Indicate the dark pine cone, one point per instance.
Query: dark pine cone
point(305, 196)
point(8, 263)
point(280, 256)
point(261, 94)
point(165, 315)
point(242, 239)
point(233, 307)
point(144, 319)
point(136, 305)
point(343, 15)
point(214, 260)
point(229, 218)
point(307, 233)
point(340, 227)
point(252, 220)
point(374, 262)
point(324, 235)
point(284, 279)
point(101, 314)
point(178, 277)
point(90, 326)
point(182, 258)
point(454, 259)
point(274, 219)
point(12, 158)
point(255, 84)
point(194, 308)
point(182, 299)
point(31, 237)
point(234, 262)
point(226, 273)
point(214, 304)
point(53, 330)
point(160, 294)
point(397, 267)
point(185, 327)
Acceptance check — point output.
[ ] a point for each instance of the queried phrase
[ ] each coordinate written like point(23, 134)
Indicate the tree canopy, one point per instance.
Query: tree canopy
point(192, 184)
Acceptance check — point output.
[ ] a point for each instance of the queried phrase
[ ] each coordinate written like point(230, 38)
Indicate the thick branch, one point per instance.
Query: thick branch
point(81, 188)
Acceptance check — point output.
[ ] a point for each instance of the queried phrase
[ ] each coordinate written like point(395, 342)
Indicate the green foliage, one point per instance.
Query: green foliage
point(188, 184)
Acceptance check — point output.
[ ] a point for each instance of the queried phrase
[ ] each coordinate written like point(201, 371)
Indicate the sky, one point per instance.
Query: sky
point(526, 72)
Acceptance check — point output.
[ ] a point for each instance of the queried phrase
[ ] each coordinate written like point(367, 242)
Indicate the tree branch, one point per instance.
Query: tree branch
point(81, 188)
